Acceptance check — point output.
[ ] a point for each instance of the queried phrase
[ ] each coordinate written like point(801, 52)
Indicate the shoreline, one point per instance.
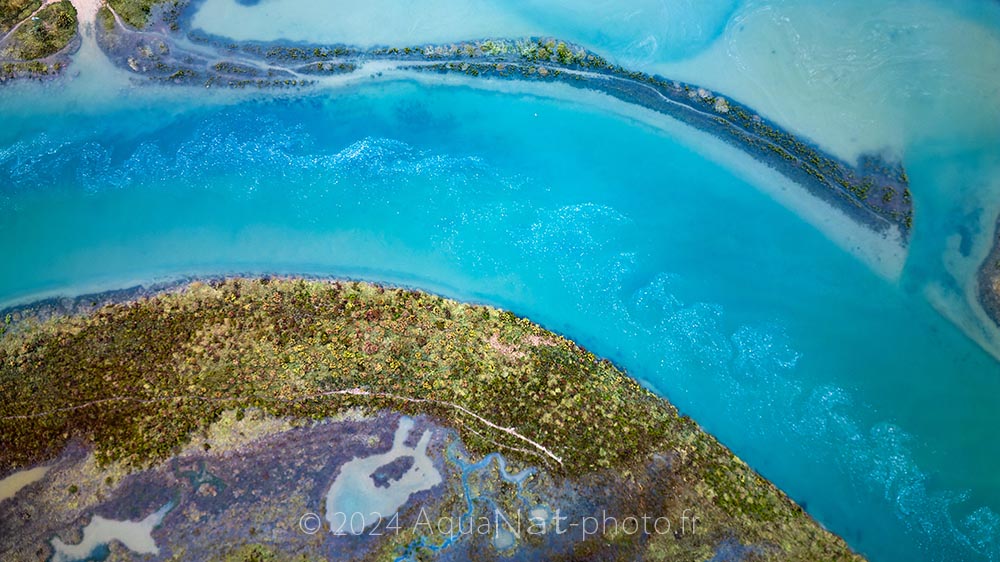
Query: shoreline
point(988, 280)
point(866, 207)
point(873, 191)
point(55, 59)
point(40, 310)
point(474, 369)
point(885, 253)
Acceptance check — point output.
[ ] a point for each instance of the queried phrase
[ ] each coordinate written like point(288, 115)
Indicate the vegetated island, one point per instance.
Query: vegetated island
point(158, 42)
point(36, 37)
point(231, 420)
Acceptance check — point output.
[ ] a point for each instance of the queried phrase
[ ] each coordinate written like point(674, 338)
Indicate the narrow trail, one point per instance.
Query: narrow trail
point(348, 392)
point(27, 19)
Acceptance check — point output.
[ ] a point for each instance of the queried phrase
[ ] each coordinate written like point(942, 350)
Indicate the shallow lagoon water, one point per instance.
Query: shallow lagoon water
point(12, 484)
point(853, 394)
point(136, 536)
point(355, 490)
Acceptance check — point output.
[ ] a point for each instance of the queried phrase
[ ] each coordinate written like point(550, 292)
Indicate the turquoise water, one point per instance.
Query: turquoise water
point(853, 393)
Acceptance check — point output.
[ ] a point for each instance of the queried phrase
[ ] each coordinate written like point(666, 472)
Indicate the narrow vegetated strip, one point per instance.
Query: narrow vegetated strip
point(865, 189)
point(350, 392)
point(806, 168)
point(280, 345)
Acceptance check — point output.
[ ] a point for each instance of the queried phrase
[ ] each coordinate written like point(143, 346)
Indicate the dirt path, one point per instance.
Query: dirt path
point(22, 22)
point(350, 392)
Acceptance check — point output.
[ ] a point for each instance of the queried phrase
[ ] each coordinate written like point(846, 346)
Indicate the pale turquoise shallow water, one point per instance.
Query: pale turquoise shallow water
point(849, 391)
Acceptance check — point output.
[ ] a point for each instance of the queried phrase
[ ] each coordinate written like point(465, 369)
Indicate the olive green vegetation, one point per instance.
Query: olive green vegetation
point(46, 34)
point(136, 12)
point(106, 18)
point(139, 379)
point(14, 11)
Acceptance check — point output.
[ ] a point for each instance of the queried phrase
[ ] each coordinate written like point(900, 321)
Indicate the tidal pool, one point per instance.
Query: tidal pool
point(368, 489)
point(100, 532)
